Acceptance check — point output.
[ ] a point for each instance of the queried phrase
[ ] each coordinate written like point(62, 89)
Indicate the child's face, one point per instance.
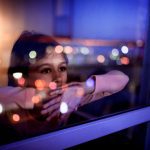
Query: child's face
point(51, 68)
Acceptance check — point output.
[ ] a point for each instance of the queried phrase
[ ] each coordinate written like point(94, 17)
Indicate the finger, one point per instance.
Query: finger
point(52, 102)
point(56, 92)
point(51, 109)
point(54, 114)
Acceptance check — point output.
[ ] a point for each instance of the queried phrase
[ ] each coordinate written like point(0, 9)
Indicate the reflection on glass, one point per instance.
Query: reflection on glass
point(76, 77)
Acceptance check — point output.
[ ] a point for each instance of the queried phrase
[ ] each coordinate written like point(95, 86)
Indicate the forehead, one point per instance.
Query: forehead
point(52, 58)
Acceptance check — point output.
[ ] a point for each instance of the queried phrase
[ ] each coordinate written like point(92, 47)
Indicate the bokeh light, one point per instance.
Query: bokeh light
point(32, 54)
point(1, 108)
point(115, 52)
point(84, 50)
point(139, 43)
point(90, 82)
point(17, 75)
point(52, 85)
point(68, 49)
point(100, 58)
point(16, 117)
point(49, 49)
point(59, 49)
point(40, 84)
point(80, 92)
point(63, 107)
point(21, 81)
point(124, 60)
point(124, 49)
point(36, 99)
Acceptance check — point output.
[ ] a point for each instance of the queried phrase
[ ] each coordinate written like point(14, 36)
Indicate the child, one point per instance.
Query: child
point(43, 83)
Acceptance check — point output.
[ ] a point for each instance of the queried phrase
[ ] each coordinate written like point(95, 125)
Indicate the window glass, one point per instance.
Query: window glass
point(67, 62)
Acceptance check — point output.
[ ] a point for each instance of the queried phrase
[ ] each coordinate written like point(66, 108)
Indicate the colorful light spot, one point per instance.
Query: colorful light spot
point(21, 81)
point(1, 108)
point(36, 99)
point(80, 92)
point(100, 58)
point(40, 84)
point(124, 60)
point(59, 49)
point(63, 107)
point(17, 75)
point(16, 117)
point(124, 49)
point(68, 49)
point(32, 54)
point(52, 85)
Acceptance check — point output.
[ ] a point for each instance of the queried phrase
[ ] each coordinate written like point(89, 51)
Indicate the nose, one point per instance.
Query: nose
point(57, 78)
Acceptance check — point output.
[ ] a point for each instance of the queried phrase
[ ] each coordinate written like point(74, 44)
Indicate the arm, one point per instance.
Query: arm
point(105, 85)
point(12, 97)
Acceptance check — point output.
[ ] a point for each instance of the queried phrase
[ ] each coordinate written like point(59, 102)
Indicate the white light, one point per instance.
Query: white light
point(100, 58)
point(90, 82)
point(115, 52)
point(32, 54)
point(63, 107)
point(17, 75)
point(1, 108)
point(124, 49)
point(84, 50)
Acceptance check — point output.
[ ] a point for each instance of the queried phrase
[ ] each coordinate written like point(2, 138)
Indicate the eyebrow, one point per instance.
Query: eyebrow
point(47, 64)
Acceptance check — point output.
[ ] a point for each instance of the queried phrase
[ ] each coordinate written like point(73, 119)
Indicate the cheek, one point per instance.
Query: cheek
point(32, 78)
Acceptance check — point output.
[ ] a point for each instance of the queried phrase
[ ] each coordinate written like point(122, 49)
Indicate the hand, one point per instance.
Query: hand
point(72, 94)
point(46, 106)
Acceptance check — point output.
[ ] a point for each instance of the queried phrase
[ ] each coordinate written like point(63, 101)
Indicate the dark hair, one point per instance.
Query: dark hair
point(27, 42)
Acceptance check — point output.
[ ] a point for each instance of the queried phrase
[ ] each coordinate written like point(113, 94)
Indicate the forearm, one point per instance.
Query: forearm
point(12, 97)
point(104, 85)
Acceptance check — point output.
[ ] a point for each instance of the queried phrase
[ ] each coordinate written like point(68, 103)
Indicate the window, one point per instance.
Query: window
point(67, 43)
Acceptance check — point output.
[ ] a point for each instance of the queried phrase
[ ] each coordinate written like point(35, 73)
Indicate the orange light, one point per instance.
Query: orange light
point(100, 58)
point(36, 99)
point(21, 81)
point(16, 117)
point(124, 60)
point(40, 84)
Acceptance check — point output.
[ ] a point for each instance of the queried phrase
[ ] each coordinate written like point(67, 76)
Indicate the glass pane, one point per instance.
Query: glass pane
point(65, 62)
point(129, 138)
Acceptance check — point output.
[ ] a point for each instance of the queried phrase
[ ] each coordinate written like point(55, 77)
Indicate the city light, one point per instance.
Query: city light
point(84, 50)
point(90, 82)
point(63, 107)
point(52, 85)
point(49, 49)
point(59, 49)
point(1, 108)
point(40, 84)
point(68, 49)
point(115, 52)
point(16, 117)
point(17, 75)
point(124, 60)
point(124, 49)
point(100, 58)
point(32, 54)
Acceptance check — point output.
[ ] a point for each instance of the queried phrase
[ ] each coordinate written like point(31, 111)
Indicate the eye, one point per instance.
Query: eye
point(62, 69)
point(46, 70)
